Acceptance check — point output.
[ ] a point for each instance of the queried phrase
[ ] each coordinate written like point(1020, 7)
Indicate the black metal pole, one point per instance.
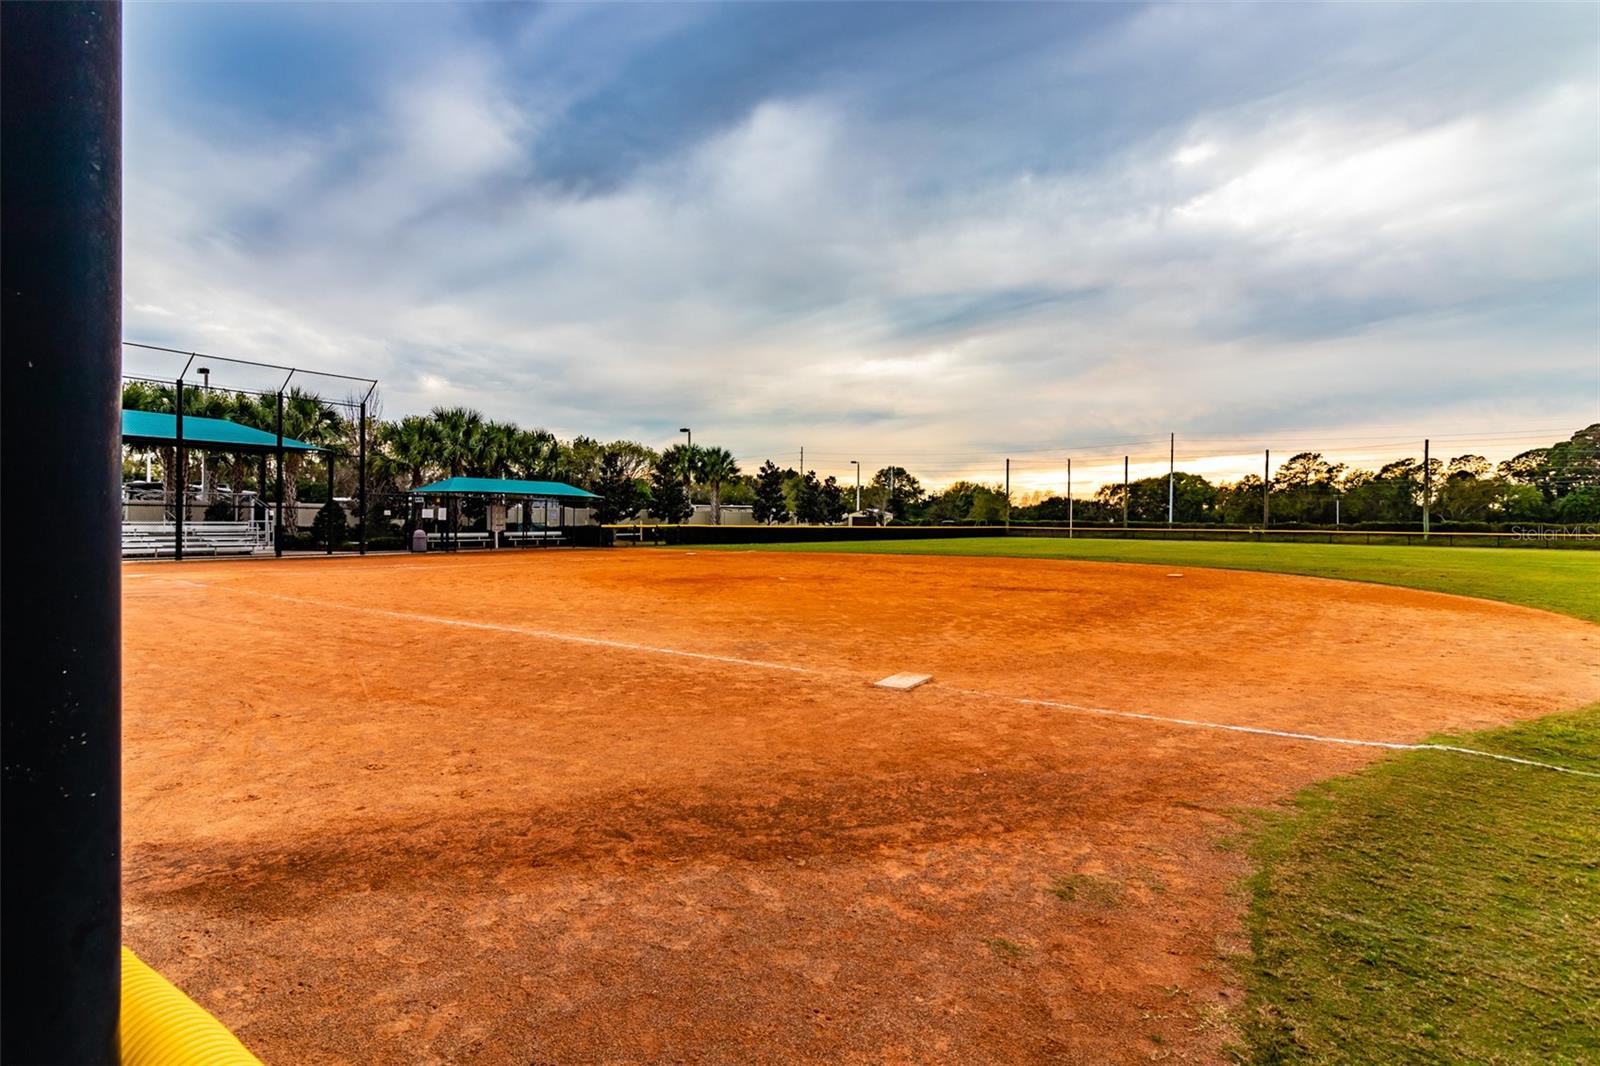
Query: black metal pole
point(1266, 489)
point(277, 490)
point(181, 478)
point(361, 482)
point(1427, 489)
point(60, 690)
point(329, 532)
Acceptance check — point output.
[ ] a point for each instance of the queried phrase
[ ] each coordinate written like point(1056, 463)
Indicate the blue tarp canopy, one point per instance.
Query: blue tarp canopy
point(152, 428)
point(494, 486)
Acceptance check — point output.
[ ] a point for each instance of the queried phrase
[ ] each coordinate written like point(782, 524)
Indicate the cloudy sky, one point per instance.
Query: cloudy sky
point(932, 235)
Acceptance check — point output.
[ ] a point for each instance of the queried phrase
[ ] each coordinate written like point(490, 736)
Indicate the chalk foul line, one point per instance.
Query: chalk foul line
point(1317, 738)
point(761, 664)
point(539, 634)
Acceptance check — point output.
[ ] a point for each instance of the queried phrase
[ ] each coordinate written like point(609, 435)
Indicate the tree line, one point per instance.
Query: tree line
point(1558, 483)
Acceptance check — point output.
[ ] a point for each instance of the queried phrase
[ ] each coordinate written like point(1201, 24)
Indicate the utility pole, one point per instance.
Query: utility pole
point(1427, 489)
point(1266, 490)
point(1124, 492)
point(802, 460)
point(884, 516)
point(1008, 493)
point(1172, 467)
point(857, 464)
point(1069, 499)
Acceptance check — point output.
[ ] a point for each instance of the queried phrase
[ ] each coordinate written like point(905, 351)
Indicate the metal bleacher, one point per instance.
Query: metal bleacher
point(156, 539)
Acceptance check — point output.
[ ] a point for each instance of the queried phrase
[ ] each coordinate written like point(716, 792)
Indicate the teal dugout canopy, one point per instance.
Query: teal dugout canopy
point(494, 486)
point(154, 429)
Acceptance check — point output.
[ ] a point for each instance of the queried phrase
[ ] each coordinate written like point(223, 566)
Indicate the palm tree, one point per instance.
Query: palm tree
point(535, 454)
point(407, 450)
point(148, 396)
point(495, 449)
point(714, 466)
point(459, 431)
point(310, 418)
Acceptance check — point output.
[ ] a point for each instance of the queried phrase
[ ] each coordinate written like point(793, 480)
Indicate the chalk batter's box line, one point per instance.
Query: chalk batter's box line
point(760, 664)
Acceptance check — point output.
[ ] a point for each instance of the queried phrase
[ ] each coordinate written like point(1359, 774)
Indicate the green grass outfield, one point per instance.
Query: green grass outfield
point(1565, 581)
point(1434, 908)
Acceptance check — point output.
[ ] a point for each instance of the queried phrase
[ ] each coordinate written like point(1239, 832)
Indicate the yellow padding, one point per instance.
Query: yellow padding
point(160, 1026)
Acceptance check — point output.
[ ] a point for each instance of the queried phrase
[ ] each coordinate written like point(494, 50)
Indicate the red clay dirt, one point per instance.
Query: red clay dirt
point(471, 810)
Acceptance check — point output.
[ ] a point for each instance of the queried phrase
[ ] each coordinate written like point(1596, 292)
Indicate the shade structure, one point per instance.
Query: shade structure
point(494, 486)
point(153, 428)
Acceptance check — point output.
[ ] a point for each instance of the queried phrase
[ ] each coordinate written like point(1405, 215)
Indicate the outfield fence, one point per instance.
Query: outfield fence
point(1531, 537)
point(664, 534)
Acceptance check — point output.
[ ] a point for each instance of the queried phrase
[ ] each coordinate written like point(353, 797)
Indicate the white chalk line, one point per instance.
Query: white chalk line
point(760, 664)
point(1193, 723)
point(541, 634)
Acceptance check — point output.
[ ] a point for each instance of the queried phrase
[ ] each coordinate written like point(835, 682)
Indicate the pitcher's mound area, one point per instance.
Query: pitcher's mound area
point(648, 806)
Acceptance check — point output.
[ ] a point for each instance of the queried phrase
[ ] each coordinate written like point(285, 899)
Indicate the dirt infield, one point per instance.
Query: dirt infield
point(645, 806)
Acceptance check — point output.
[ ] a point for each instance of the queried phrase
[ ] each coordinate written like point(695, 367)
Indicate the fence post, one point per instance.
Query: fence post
point(361, 482)
point(329, 455)
point(182, 477)
point(277, 492)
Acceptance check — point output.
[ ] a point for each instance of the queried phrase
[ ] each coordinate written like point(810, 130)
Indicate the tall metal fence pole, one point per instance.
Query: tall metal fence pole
point(60, 618)
point(1069, 499)
point(1172, 468)
point(277, 491)
point(329, 532)
point(361, 482)
point(181, 479)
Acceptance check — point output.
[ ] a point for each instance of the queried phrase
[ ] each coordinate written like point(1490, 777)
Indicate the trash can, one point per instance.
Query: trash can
point(419, 540)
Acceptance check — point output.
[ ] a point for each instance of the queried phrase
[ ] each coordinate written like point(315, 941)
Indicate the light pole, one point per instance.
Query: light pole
point(205, 388)
point(688, 456)
point(857, 464)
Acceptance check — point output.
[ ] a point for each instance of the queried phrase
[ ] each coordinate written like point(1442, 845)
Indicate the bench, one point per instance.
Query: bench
point(536, 537)
point(450, 541)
